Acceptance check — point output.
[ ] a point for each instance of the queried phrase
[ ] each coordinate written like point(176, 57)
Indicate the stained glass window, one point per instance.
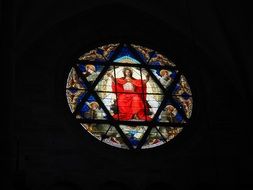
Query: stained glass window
point(129, 96)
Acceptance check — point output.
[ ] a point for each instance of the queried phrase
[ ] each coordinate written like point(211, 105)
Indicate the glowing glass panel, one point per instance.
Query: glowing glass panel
point(129, 96)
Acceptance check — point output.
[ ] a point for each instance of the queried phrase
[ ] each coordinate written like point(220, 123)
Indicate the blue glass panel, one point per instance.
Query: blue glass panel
point(134, 133)
point(125, 56)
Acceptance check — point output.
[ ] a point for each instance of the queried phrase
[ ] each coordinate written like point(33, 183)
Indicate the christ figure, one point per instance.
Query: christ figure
point(131, 96)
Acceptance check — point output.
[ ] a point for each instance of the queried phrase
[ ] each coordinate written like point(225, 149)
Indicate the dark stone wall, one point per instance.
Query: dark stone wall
point(209, 41)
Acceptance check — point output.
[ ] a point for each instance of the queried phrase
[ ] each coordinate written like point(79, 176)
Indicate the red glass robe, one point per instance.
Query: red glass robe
point(130, 103)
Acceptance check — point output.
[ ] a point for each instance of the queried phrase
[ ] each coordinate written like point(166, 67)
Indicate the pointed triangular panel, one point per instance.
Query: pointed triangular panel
point(93, 55)
point(134, 133)
point(112, 137)
point(125, 56)
point(182, 87)
point(170, 114)
point(169, 132)
point(74, 81)
point(107, 50)
point(143, 52)
point(158, 59)
point(154, 139)
point(92, 110)
point(90, 71)
point(186, 103)
point(74, 97)
point(96, 130)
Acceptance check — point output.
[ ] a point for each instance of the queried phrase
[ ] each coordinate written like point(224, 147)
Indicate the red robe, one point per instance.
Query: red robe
point(130, 102)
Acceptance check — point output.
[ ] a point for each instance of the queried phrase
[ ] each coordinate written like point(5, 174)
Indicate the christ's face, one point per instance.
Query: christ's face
point(128, 73)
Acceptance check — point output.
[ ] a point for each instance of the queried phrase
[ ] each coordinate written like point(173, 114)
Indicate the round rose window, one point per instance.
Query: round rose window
point(129, 96)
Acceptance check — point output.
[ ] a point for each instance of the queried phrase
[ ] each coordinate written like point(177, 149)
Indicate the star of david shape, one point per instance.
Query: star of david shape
point(141, 59)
